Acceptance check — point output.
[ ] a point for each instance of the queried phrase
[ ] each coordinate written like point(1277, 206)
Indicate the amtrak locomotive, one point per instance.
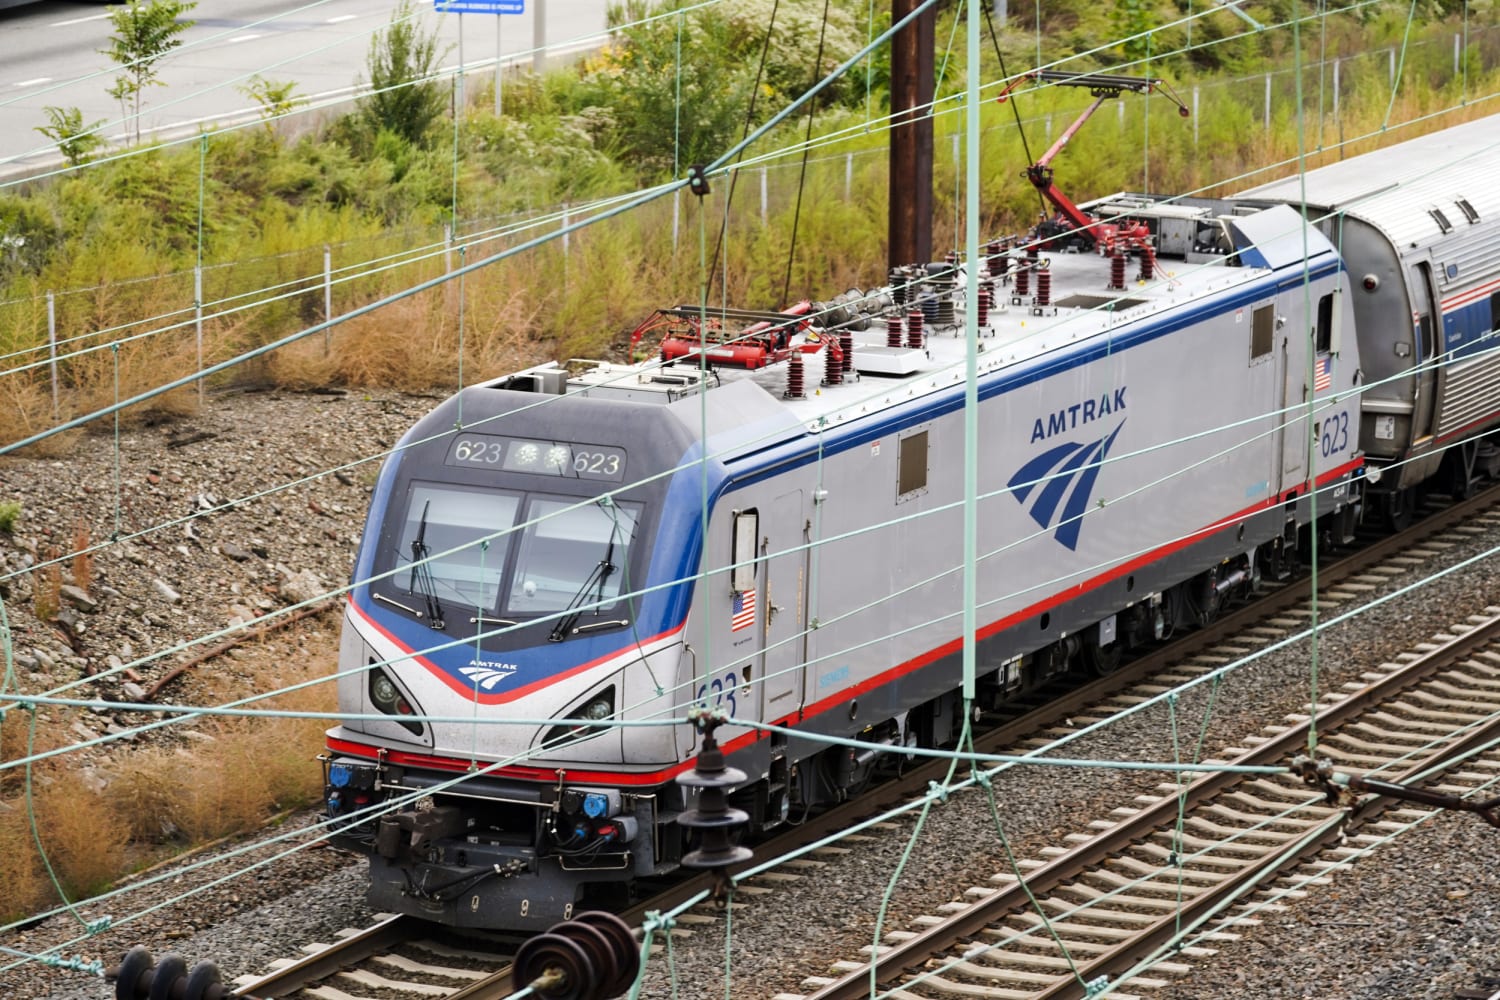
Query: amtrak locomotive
point(766, 518)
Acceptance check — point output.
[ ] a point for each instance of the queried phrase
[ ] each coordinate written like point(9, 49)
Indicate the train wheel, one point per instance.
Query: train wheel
point(1396, 508)
point(1103, 660)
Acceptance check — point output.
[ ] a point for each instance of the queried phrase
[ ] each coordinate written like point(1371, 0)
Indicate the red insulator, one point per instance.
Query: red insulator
point(893, 331)
point(1023, 279)
point(1117, 270)
point(914, 329)
point(1044, 287)
point(833, 363)
point(1033, 251)
point(794, 376)
point(846, 344)
point(984, 305)
point(1148, 261)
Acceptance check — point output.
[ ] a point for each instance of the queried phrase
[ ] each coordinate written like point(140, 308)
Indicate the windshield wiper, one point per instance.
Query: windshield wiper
point(598, 576)
point(421, 573)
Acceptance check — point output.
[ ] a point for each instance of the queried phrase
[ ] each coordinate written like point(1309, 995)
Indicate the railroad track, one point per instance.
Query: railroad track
point(333, 970)
point(1113, 908)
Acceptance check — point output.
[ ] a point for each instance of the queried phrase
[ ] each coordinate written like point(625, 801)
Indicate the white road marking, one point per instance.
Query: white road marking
point(244, 38)
point(32, 82)
point(341, 18)
point(79, 20)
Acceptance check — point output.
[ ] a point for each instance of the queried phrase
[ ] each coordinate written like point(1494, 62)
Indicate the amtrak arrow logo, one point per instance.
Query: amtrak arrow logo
point(1067, 471)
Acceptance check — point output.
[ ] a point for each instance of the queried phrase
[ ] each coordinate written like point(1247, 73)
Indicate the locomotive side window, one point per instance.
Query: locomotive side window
point(742, 553)
point(576, 558)
point(1324, 336)
point(911, 465)
point(1262, 331)
point(1495, 312)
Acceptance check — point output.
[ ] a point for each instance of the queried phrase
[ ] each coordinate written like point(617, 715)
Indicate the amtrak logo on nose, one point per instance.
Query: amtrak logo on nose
point(1062, 477)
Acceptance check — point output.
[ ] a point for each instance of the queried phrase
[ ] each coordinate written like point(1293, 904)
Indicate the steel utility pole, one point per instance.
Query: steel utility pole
point(910, 233)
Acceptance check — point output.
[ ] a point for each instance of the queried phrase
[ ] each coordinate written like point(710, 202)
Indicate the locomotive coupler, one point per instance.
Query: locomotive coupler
point(1336, 786)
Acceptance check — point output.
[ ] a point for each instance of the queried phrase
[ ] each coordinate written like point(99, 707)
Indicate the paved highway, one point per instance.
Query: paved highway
point(49, 55)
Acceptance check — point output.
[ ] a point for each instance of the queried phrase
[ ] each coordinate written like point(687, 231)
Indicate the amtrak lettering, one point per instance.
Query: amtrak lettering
point(1070, 418)
point(487, 673)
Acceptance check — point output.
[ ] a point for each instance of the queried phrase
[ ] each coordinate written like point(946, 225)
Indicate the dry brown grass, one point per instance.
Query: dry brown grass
point(84, 838)
point(24, 888)
point(46, 587)
point(234, 773)
point(82, 560)
point(152, 800)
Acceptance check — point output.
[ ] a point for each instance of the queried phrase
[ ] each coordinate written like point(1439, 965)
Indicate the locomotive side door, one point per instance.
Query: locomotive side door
point(784, 538)
point(1291, 363)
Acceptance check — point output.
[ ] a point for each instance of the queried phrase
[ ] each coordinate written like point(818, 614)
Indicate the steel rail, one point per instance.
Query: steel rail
point(932, 943)
point(321, 964)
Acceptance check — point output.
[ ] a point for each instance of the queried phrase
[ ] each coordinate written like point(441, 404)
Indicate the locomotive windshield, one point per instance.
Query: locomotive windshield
point(572, 558)
point(564, 558)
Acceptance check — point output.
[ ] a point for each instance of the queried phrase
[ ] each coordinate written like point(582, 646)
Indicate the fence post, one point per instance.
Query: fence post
point(1336, 64)
point(52, 350)
point(1195, 116)
point(848, 174)
point(1268, 102)
point(1392, 53)
point(327, 298)
point(198, 323)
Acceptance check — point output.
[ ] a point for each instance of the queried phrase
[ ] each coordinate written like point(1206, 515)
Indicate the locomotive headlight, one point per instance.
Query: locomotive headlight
point(599, 709)
point(383, 693)
point(387, 698)
point(557, 457)
point(596, 709)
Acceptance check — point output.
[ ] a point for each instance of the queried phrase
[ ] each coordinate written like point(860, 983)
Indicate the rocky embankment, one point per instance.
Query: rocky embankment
point(197, 525)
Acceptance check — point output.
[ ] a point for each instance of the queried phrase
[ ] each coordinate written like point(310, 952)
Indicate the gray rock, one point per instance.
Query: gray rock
point(133, 692)
point(78, 597)
point(302, 586)
point(232, 551)
point(165, 590)
point(43, 658)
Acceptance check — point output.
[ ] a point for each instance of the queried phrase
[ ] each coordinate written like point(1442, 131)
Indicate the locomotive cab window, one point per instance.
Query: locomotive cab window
point(443, 518)
point(573, 556)
point(911, 466)
point(1262, 331)
point(1325, 340)
point(743, 547)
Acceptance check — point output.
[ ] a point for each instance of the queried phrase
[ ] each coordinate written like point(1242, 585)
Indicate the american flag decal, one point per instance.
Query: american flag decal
point(1323, 373)
point(742, 612)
